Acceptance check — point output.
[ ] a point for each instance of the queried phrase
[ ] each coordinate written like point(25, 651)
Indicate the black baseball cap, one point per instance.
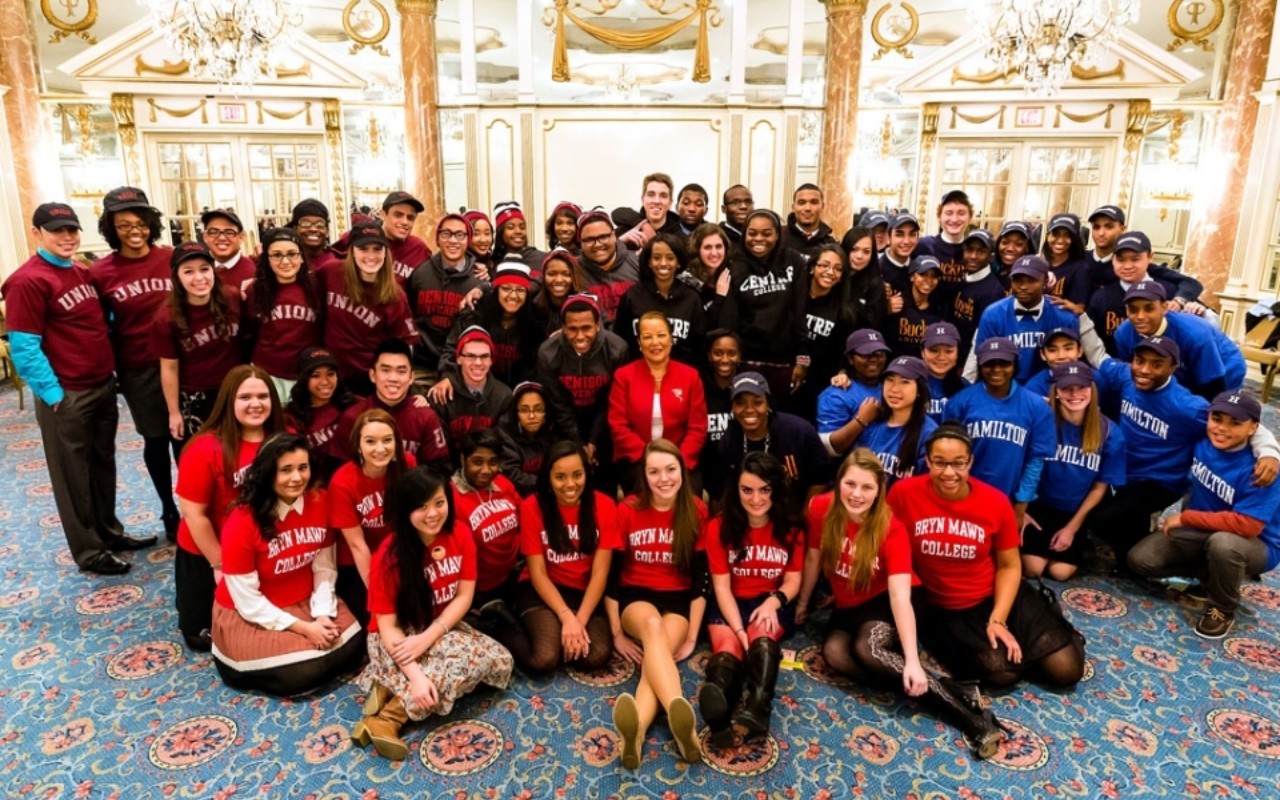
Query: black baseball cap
point(314, 357)
point(403, 198)
point(367, 233)
point(1112, 212)
point(1135, 241)
point(125, 198)
point(274, 235)
point(224, 213)
point(55, 217)
point(187, 251)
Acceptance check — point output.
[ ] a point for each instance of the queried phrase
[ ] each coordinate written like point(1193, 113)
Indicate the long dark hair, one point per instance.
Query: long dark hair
point(557, 531)
point(909, 447)
point(678, 248)
point(700, 234)
point(415, 608)
point(224, 314)
point(149, 216)
point(266, 285)
point(299, 406)
point(841, 291)
point(531, 322)
point(222, 421)
point(258, 493)
point(685, 523)
point(783, 515)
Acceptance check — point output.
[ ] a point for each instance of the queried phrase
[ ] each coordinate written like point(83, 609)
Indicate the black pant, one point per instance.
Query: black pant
point(193, 588)
point(1124, 518)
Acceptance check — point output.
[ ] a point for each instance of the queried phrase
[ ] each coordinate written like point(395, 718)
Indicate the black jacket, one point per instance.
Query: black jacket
point(683, 309)
point(765, 306)
point(577, 386)
point(435, 293)
point(803, 243)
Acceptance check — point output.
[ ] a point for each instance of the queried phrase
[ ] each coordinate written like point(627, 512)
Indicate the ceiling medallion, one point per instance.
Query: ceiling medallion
point(901, 31)
point(357, 21)
point(73, 26)
point(1191, 11)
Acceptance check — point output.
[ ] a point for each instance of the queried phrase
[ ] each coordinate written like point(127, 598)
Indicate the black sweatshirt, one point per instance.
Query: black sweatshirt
point(577, 386)
point(765, 306)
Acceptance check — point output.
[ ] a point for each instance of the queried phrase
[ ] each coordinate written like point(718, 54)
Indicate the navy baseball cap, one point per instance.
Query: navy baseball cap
point(873, 219)
point(1160, 345)
point(1071, 373)
point(1146, 290)
point(1015, 226)
point(941, 333)
point(749, 383)
point(54, 217)
point(1035, 266)
point(865, 342)
point(921, 264)
point(982, 235)
point(908, 367)
point(903, 219)
point(1069, 221)
point(1111, 212)
point(1070, 333)
point(1238, 406)
point(1135, 241)
point(997, 348)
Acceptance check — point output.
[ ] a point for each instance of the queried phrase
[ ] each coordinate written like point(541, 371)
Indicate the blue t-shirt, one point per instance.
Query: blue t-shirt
point(1208, 354)
point(837, 406)
point(1039, 384)
point(1006, 432)
point(938, 398)
point(885, 440)
point(1222, 480)
point(1000, 319)
point(1161, 427)
point(1071, 473)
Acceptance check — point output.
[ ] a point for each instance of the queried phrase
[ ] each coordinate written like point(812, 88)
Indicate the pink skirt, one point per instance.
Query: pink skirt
point(246, 647)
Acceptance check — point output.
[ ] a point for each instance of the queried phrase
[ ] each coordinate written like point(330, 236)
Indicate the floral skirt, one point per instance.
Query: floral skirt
point(461, 660)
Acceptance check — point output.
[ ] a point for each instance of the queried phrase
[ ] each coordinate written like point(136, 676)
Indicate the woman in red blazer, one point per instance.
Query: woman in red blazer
point(655, 397)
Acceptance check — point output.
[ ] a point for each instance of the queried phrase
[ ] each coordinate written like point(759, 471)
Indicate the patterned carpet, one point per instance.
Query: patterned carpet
point(100, 700)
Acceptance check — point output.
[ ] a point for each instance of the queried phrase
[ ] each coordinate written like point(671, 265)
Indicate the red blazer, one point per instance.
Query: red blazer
point(684, 410)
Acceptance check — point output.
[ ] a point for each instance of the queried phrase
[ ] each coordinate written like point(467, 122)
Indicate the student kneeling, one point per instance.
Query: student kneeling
point(277, 625)
point(1228, 528)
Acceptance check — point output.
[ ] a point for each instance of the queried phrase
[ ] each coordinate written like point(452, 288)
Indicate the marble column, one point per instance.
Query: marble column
point(31, 134)
point(421, 109)
point(840, 117)
point(1225, 163)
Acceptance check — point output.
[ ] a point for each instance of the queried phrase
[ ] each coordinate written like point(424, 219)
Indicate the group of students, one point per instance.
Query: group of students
point(816, 394)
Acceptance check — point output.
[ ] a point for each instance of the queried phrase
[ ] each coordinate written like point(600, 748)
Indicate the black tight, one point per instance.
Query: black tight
point(545, 653)
point(155, 454)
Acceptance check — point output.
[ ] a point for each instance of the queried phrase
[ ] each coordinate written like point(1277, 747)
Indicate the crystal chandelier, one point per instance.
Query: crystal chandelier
point(231, 42)
point(1042, 40)
point(876, 175)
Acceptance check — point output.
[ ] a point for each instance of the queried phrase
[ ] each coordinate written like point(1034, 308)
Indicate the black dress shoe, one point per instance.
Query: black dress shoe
point(201, 642)
point(106, 563)
point(128, 542)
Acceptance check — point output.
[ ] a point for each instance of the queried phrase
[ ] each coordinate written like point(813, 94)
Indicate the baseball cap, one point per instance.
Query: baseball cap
point(903, 219)
point(55, 217)
point(367, 233)
point(124, 198)
point(1071, 373)
point(873, 219)
point(1160, 345)
point(749, 383)
point(1237, 405)
point(1146, 290)
point(310, 207)
point(1070, 333)
point(312, 358)
point(921, 264)
point(1113, 212)
point(865, 342)
point(280, 235)
point(1069, 221)
point(224, 213)
point(982, 235)
point(908, 367)
point(403, 198)
point(941, 333)
point(997, 348)
point(187, 251)
point(1135, 241)
point(1035, 266)
point(1015, 226)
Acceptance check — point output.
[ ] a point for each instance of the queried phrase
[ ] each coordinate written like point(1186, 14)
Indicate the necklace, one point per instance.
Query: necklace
point(746, 443)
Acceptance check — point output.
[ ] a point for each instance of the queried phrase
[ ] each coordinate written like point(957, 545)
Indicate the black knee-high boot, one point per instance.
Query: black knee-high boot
point(718, 696)
point(961, 704)
point(763, 658)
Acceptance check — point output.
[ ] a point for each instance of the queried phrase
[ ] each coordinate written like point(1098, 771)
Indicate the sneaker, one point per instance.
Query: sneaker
point(1215, 623)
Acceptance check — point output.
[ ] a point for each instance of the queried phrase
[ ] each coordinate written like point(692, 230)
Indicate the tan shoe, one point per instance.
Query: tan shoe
point(626, 718)
point(684, 727)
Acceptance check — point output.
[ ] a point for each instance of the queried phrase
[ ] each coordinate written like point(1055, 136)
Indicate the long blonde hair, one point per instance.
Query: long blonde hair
point(871, 533)
point(1093, 428)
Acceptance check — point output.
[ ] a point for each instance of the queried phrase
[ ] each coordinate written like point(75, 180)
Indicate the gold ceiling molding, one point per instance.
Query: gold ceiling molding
point(352, 23)
point(271, 112)
point(840, 6)
point(172, 68)
point(898, 45)
point(1059, 113)
point(180, 113)
point(1194, 36)
point(1078, 72)
point(666, 73)
point(974, 119)
point(66, 28)
point(707, 15)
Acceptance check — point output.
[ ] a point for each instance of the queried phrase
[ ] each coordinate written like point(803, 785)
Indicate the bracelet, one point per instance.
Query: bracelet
point(740, 630)
point(861, 424)
point(803, 361)
point(998, 622)
point(216, 566)
point(781, 597)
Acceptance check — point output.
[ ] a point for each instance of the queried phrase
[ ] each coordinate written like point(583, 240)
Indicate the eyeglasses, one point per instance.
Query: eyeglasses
point(475, 356)
point(958, 466)
point(141, 227)
point(452, 236)
point(518, 291)
point(826, 267)
point(311, 226)
point(221, 233)
point(596, 241)
point(293, 255)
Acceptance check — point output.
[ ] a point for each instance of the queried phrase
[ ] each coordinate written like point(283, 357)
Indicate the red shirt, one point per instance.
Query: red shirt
point(682, 402)
point(420, 431)
point(356, 501)
point(647, 536)
point(571, 570)
point(204, 356)
point(894, 557)
point(60, 305)
point(352, 331)
point(406, 256)
point(291, 327)
point(761, 567)
point(284, 563)
point(450, 559)
point(954, 542)
point(134, 289)
point(201, 479)
point(494, 516)
point(237, 275)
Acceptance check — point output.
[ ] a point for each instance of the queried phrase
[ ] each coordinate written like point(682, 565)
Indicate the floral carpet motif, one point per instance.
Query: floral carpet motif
point(100, 699)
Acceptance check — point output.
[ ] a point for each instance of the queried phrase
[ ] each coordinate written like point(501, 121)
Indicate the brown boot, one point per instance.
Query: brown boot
point(383, 730)
point(378, 697)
